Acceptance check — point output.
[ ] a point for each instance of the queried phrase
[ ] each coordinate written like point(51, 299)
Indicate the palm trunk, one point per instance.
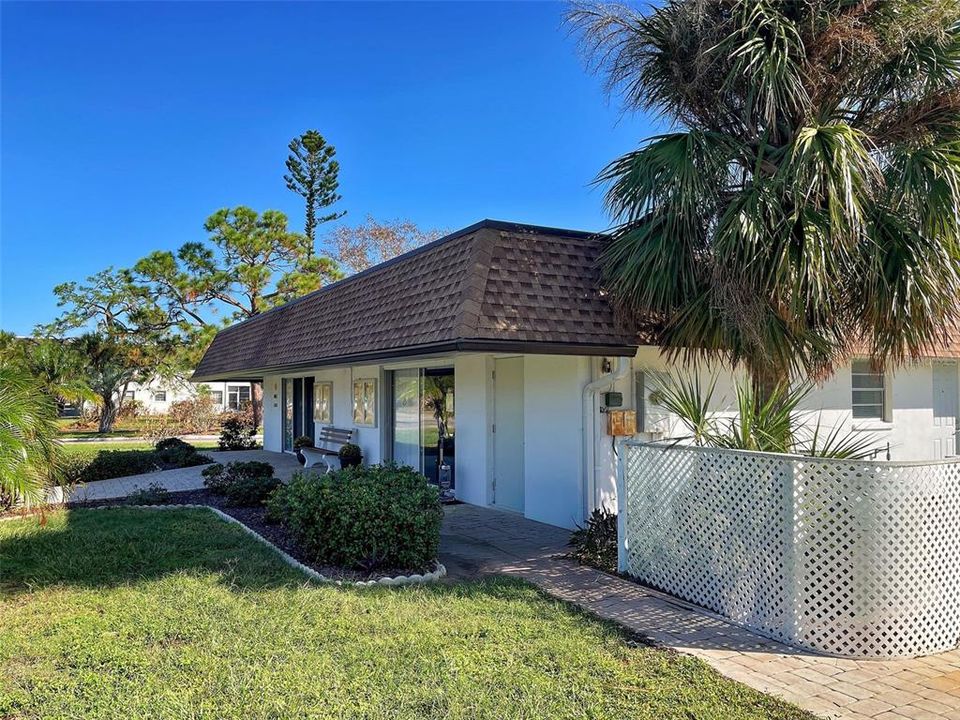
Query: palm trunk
point(764, 381)
point(108, 413)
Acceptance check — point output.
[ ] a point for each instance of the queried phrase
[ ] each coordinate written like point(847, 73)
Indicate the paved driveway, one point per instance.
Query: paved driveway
point(180, 479)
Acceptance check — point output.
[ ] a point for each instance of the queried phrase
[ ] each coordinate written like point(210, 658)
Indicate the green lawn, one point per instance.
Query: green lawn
point(92, 448)
point(128, 613)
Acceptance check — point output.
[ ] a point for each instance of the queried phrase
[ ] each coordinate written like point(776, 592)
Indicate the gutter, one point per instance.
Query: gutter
point(589, 485)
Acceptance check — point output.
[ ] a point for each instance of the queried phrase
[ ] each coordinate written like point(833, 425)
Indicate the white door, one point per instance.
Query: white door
point(508, 433)
point(946, 408)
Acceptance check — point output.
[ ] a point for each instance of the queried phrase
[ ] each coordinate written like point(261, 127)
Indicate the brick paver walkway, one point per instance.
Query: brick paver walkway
point(478, 540)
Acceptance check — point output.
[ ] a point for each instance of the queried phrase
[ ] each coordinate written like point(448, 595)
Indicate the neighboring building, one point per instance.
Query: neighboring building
point(505, 323)
point(156, 396)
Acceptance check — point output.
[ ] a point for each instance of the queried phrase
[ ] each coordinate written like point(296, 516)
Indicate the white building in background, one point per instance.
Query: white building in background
point(493, 351)
point(156, 396)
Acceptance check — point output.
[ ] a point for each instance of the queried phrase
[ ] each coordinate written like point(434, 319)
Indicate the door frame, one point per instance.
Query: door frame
point(493, 442)
point(947, 362)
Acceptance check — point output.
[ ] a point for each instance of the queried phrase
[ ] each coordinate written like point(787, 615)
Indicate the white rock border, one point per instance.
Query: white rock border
point(438, 572)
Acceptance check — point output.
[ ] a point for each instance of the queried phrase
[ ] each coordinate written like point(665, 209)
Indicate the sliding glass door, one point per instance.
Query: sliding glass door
point(423, 421)
point(407, 447)
point(297, 409)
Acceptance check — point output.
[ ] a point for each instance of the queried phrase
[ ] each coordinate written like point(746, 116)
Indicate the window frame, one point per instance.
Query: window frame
point(214, 395)
point(318, 386)
point(364, 402)
point(155, 393)
point(861, 368)
point(238, 390)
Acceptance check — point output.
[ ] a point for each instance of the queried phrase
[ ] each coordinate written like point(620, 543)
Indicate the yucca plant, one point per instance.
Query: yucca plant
point(772, 424)
point(806, 202)
point(683, 396)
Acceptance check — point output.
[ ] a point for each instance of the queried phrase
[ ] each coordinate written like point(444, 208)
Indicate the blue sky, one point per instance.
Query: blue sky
point(125, 125)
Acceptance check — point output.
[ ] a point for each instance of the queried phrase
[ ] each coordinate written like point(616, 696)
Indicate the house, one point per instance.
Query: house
point(156, 396)
point(492, 350)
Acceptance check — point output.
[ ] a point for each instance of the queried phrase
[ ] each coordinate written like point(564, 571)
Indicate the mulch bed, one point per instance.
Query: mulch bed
point(253, 518)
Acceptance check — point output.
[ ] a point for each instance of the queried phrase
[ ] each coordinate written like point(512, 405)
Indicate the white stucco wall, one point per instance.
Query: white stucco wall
point(474, 413)
point(553, 450)
point(909, 431)
point(176, 389)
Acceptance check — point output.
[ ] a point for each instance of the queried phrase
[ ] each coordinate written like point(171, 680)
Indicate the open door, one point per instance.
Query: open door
point(508, 433)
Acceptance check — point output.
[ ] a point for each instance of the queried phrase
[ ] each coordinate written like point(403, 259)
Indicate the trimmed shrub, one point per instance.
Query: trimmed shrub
point(303, 441)
point(350, 455)
point(236, 434)
point(173, 443)
point(119, 463)
point(154, 494)
point(596, 542)
point(250, 491)
point(215, 478)
point(364, 518)
point(70, 468)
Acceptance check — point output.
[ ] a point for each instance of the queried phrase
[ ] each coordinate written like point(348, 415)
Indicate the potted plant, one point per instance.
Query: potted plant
point(350, 455)
point(302, 442)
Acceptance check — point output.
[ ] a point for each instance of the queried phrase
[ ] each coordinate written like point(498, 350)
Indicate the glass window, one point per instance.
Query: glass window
point(160, 396)
point(323, 402)
point(238, 396)
point(217, 397)
point(365, 402)
point(129, 394)
point(869, 398)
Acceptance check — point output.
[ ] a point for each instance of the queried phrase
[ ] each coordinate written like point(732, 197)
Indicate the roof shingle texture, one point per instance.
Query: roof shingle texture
point(492, 283)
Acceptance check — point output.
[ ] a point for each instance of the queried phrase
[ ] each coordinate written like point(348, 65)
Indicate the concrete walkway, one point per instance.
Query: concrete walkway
point(174, 480)
point(479, 541)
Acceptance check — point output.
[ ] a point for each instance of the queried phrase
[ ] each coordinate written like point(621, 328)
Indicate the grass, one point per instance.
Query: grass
point(92, 448)
point(158, 614)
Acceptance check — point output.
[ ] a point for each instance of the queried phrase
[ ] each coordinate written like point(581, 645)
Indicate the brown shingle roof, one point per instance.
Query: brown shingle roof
point(492, 286)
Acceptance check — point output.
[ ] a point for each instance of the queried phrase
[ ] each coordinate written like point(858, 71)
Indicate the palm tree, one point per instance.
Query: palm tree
point(110, 366)
point(29, 449)
point(56, 366)
point(806, 204)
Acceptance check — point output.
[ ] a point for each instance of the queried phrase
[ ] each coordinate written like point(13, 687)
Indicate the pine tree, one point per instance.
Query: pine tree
point(313, 174)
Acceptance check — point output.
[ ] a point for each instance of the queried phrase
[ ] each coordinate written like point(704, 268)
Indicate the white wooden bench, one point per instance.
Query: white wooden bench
point(327, 451)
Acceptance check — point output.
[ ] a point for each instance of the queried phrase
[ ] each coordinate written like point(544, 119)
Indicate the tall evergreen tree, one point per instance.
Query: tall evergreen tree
point(313, 174)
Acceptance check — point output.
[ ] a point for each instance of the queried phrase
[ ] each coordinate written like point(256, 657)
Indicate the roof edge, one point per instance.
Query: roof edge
point(460, 345)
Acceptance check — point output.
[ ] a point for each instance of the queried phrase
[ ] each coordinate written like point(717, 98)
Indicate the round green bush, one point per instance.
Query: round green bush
point(363, 518)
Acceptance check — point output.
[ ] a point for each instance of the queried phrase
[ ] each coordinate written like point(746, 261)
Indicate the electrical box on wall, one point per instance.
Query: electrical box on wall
point(622, 423)
point(612, 399)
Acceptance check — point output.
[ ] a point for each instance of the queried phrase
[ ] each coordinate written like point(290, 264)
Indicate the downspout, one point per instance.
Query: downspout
point(590, 431)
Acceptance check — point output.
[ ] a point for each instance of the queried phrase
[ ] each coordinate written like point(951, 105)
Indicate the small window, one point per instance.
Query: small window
point(365, 402)
point(323, 402)
point(160, 396)
point(129, 395)
point(238, 396)
point(869, 399)
point(217, 397)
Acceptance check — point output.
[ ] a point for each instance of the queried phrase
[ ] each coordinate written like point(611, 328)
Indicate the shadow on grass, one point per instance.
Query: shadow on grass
point(104, 548)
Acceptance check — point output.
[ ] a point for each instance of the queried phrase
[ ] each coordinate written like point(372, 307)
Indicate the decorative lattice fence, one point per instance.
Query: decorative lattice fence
point(852, 558)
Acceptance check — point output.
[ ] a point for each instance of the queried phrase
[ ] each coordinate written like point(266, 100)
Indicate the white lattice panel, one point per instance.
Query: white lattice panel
point(851, 558)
